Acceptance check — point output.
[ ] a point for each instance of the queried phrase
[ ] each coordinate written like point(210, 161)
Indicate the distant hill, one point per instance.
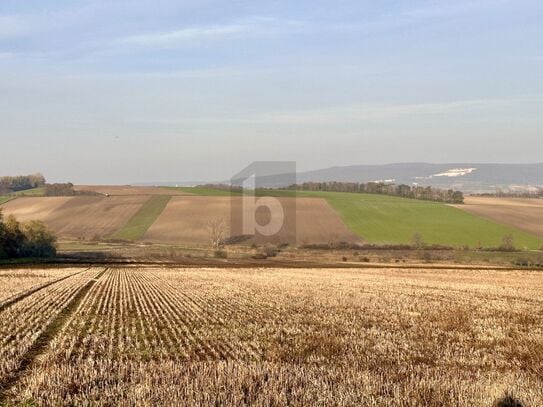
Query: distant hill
point(468, 177)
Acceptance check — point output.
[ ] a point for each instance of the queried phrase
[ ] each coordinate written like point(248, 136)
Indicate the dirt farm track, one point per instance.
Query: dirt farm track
point(270, 337)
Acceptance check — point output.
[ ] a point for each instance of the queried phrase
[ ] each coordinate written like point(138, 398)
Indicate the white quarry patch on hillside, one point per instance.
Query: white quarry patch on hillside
point(456, 172)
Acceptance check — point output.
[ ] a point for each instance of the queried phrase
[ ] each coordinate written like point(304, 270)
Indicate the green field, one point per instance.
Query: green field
point(5, 198)
point(143, 219)
point(27, 192)
point(30, 192)
point(385, 219)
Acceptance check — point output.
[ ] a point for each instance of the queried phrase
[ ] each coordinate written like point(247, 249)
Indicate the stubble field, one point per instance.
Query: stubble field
point(169, 336)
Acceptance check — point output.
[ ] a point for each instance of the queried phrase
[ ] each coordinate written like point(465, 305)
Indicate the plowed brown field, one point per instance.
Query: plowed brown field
point(26, 209)
point(185, 219)
point(78, 217)
point(525, 214)
point(128, 190)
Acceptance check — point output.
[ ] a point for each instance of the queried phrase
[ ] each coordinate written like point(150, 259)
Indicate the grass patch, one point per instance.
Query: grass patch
point(384, 219)
point(27, 192)
point(143, 219)
point(5, 198)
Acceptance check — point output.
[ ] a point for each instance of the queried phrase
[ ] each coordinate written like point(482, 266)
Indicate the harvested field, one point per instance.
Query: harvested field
point(185, 219)
point(150, 336)
point(23, 322)
point(80, 217)
point(17, 282)
point(124, 190)
point(525, 214)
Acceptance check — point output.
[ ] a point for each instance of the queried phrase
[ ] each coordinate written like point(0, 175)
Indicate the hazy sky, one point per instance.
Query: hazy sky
point(126, 91)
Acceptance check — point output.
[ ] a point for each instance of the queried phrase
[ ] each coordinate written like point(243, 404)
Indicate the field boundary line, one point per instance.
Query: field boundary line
point(18, 297)
point(41, 344)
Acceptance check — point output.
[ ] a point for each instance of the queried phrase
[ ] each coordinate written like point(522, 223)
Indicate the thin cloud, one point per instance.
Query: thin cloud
point(251, 26)
point(185, 34)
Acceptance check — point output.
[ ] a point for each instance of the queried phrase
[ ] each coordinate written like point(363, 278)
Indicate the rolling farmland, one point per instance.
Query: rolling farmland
point(26, 209)
point(274, 337)
point(86, 217)
point(523, 214)
point(387, 219)
point(124, 190)
point(143, 219)
point(180, 217)
point(185, 218)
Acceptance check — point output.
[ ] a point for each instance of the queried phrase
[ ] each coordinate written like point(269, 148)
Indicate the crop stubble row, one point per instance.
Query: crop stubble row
point(319, 337)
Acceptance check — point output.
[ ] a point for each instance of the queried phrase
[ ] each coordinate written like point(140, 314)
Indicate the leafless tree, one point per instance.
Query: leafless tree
point(218, 230)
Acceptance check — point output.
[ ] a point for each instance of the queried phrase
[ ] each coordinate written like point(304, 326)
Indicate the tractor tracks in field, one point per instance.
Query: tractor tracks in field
point(41, 344)
point(13, 300)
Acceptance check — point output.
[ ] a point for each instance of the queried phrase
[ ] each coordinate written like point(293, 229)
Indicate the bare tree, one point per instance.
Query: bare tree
point(218, 230)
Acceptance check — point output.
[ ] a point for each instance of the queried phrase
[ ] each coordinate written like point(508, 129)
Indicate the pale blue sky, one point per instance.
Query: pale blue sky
point(150, 90)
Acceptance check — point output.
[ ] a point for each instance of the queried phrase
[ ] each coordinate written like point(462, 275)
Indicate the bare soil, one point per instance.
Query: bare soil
point(80, 217)
point(523, 213)
point(185, 221)
point(25, 209)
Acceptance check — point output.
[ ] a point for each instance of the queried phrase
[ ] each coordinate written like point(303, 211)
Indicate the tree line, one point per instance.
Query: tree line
point(536, 193)
point(381, 188)
point(21, 182)
point(30, 239)
point(64, 189)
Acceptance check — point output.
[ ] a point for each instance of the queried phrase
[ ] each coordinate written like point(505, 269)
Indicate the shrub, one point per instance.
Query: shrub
point(32, 239)
point(508, 243)
point(220, 254)
point(427, 257)
point(59, 189)
point(522, 262)
point(270, 250)
point(40, 242)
